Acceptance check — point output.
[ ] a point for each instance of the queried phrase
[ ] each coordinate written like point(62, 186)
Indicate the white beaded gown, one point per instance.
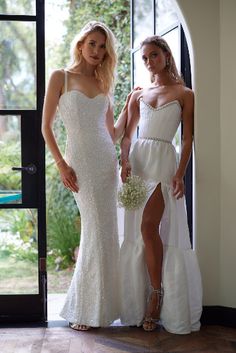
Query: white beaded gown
point(93, 296)
point(154, 159)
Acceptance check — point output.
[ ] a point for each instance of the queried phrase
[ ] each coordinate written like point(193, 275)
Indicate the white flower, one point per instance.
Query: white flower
point(132, 194)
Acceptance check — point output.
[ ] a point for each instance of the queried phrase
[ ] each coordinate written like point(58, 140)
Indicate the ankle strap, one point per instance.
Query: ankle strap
point(159, 291)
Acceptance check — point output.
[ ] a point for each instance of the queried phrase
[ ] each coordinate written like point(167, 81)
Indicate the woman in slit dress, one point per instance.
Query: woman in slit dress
point(160, 277)
point(89, 170)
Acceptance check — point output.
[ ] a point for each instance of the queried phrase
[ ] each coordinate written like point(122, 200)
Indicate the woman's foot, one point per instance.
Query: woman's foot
point(79, 327)
point(153, 310)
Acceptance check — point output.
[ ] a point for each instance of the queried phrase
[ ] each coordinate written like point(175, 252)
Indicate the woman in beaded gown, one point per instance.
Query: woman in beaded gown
point(160, 277)
point(89, 170)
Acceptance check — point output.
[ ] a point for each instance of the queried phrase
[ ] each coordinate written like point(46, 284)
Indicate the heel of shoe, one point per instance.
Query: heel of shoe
point(150, 323)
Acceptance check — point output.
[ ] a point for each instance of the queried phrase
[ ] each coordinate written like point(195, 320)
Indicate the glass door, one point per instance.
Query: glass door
point(22, 174)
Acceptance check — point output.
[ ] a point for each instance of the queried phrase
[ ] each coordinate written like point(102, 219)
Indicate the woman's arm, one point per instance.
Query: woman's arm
point(133, 118)
point(110, 122)
point(186, 149)
point(117, 130)
point(52, 96)
point(121, 123)
point(49, 111)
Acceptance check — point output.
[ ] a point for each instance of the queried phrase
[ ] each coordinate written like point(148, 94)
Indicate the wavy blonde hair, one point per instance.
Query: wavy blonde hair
point(170, 65)
point(105, 72)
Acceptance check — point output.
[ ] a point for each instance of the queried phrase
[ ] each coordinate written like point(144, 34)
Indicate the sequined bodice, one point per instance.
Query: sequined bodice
point(83, 115)
point(85, 122)
point(160, 123)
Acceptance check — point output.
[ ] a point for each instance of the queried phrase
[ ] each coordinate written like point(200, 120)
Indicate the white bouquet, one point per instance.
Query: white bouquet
point(132, 193)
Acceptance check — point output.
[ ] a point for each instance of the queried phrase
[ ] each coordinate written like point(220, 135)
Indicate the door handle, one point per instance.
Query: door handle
point(30, 169)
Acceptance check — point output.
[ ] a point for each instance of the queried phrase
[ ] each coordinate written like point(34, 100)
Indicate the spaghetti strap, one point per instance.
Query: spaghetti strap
point(65, 80)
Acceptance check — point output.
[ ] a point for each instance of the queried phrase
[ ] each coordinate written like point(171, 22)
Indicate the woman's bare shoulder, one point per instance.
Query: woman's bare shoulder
point(57, 80)
point(186, 91)
point(58, 75)
point(188, 94)
point(185, 95)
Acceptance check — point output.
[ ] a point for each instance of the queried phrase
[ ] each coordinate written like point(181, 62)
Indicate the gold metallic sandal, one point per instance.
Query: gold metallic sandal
point(150, 323)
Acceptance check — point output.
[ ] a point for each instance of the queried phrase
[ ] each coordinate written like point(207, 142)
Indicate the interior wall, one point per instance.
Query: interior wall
point(228, 151)
point(210, 28)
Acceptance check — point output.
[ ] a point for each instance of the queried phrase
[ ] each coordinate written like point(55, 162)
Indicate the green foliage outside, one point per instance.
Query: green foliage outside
point(17, 91)
point(9, 157)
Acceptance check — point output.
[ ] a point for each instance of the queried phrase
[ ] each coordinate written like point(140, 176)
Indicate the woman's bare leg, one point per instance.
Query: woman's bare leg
point(152, 215)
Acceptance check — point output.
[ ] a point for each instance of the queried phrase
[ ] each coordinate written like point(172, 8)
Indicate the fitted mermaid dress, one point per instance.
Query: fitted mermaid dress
point(93, 296)
point(154, 159)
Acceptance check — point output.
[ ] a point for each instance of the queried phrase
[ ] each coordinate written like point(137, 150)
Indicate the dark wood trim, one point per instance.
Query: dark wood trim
point(16, 112)
point(168, 29)
point(219, 315)
point(10, 311)
point(188, 179)
point(20, 18)
point(31, 307)
point(42, 236)
point(154, 15)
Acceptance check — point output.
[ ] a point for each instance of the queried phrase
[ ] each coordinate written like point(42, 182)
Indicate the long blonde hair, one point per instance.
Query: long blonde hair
point(105, 71)
point(170, 65)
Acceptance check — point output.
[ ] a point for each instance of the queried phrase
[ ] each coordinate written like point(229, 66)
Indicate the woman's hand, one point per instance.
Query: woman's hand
point(68, 176)
point(130, 94)
point(178, 187)
point(125, 170)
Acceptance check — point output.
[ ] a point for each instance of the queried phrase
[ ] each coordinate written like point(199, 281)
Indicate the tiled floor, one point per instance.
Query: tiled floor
point(61, 339)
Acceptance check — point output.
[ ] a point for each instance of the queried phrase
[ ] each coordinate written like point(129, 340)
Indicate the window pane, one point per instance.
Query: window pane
point(18, 251)
point(141, 74)
point(173, 41)
point(165, 15)
point(17, 7)
point(143, 20)
point(10, 147)
point(18, 65)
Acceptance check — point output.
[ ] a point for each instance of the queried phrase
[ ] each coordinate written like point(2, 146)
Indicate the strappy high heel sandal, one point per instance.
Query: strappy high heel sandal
point(150, 322)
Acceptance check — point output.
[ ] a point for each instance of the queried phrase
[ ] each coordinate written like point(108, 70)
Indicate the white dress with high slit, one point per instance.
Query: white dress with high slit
point(154, 159)
point(93, 296)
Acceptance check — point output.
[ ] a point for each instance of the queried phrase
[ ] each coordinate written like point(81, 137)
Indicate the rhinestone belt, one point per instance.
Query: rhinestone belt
point(155, 139)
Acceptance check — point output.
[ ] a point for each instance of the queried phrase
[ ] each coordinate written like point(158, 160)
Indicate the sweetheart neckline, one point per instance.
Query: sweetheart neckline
point(175, 101)
point(80, 92)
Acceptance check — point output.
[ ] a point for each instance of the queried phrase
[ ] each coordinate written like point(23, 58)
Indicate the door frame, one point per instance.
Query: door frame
point(31, 307)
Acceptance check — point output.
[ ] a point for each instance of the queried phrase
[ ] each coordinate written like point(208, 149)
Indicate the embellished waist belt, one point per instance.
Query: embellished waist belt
point(155, 139)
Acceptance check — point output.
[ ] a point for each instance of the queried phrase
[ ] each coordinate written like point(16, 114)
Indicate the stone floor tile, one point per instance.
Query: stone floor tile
point(7, 346)
point(55, 345)
point(115, 339)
